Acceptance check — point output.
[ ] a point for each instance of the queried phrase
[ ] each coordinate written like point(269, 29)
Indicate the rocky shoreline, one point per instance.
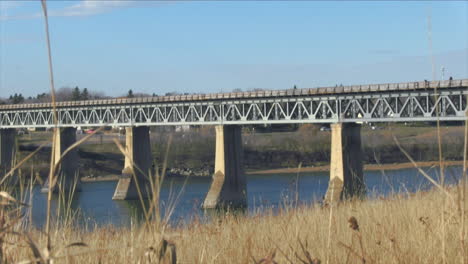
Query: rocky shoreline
point(208, 172)
point(170, 173)
point(187, 172)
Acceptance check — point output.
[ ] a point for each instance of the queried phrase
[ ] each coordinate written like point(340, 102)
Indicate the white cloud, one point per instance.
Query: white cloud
point(78, 8)
point(91, 7)
point(7, 6)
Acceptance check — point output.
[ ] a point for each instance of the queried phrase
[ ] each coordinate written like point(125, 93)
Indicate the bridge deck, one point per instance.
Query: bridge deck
point(337, 90)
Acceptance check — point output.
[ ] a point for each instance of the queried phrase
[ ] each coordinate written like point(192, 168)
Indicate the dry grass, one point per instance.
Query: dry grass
point(393, 230)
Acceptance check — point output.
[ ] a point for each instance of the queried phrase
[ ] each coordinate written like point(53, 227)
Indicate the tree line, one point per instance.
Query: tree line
point(62, 94)
point(77, 94)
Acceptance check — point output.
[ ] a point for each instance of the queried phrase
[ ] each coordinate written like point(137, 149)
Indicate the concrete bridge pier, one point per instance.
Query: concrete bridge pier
point(228, 188)
point(7, 152)
point(67, 171)
point(346, 167)
point(138, 162)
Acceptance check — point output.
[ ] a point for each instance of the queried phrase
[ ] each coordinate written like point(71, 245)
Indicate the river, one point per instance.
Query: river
point(94, 206)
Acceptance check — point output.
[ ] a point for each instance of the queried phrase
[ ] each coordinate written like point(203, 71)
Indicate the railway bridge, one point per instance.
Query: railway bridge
point(344, 107)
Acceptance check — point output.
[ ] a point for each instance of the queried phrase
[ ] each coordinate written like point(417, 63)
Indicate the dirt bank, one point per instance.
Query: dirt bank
point(369, 167)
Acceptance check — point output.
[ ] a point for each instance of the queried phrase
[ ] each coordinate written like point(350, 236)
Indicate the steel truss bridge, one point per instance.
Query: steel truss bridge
point(396, 102)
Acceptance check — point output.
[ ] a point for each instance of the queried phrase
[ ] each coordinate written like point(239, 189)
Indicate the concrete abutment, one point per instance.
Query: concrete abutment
point(137, 165)
point(228, 187)
point(346, 165)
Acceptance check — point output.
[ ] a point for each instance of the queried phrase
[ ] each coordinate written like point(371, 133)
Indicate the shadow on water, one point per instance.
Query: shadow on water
point(93, 206)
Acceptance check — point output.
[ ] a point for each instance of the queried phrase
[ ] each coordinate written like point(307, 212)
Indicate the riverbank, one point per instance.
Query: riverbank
point(397, 229)
point(367, 167)
point(100, 178)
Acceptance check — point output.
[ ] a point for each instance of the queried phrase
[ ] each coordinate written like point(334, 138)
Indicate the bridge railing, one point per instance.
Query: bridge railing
point(337, 90)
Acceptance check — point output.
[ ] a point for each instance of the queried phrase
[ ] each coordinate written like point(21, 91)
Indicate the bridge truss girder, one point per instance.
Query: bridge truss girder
point(447, 105)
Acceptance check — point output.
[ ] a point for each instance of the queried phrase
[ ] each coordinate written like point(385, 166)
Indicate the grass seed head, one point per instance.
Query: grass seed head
point(353, 223)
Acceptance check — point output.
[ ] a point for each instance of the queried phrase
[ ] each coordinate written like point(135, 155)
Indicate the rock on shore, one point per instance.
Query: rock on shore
point(187, 172)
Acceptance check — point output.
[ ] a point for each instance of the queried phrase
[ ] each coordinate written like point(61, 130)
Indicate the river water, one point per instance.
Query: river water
point(94, 206)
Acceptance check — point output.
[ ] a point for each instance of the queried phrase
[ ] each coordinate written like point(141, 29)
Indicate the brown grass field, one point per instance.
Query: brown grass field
point(399, 229)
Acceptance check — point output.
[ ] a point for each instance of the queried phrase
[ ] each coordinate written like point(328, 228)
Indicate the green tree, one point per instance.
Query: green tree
point(76, 94)
point(17, 98)
point(130, 94)
point(85, 94)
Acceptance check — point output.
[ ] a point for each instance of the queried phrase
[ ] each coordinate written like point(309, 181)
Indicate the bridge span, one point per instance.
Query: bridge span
point(345, 107)
point(395, 102)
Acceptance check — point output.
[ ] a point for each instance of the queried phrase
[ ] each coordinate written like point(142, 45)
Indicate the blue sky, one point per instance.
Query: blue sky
point(159, 47)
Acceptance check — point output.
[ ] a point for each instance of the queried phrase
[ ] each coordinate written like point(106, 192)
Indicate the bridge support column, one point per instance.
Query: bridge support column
point(7, 151)
point(228, 188)
point(346, 169)
point(138, 150)
point(67, 171)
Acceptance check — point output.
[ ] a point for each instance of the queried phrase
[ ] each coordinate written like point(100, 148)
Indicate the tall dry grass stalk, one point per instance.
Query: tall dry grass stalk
point(54, 111)
point(462, 196)
point(330, 222)
point(439, 140)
